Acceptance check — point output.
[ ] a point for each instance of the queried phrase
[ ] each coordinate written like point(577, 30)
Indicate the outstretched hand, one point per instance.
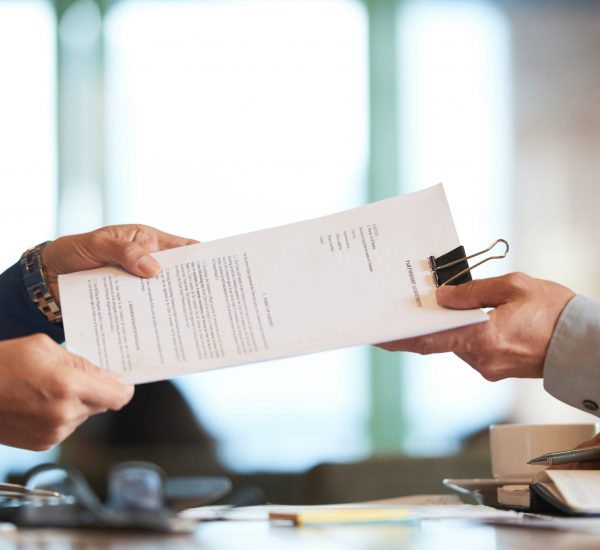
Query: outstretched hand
point(47, 392)
point(514, 342)
point(128, 246)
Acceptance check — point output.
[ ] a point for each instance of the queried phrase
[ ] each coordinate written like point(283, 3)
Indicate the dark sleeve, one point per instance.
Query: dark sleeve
point(19, 316)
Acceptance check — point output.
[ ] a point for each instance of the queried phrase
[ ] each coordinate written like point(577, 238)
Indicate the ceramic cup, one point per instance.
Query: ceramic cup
point(512, 445)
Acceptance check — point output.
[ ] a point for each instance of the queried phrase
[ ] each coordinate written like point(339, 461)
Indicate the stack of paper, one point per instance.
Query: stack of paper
point(357, 277)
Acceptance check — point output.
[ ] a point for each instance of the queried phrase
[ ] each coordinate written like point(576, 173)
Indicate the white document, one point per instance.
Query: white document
point(430, 507)
point(356, 277)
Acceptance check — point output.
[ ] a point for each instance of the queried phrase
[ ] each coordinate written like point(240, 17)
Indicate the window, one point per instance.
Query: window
point(455, 108)
point(215, 117)
point(27, 126)
point(230, 116)
point(27, 145)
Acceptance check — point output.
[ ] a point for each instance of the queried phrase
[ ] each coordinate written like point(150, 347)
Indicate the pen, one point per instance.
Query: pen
point(565, 457)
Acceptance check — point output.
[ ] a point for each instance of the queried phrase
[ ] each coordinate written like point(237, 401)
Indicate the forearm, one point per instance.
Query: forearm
point(572, 365)
point(19, 316)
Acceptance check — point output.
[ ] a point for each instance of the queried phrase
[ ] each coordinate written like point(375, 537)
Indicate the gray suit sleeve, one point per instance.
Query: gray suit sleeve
point(572, 366)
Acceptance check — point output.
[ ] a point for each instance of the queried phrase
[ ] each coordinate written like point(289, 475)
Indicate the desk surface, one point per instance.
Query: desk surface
point(429, 534)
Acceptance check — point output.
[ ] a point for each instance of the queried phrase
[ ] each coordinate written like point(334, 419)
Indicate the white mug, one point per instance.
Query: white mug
point(512, 445)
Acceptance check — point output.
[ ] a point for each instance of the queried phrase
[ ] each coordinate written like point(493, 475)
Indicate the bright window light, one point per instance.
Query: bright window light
point(454, 73)
point(27, 126)
point(231, 116)
point(27, 149)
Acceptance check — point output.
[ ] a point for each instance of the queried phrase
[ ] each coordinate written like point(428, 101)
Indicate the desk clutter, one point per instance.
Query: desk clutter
point(520, 457)
point(554, 492)
point(400, 510)
point(139, 497)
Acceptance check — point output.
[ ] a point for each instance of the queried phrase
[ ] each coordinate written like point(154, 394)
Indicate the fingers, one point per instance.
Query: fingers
point(590, 442)
point(76, 392)
point(149, 238)
point(440, 342)
point(167, 241)
point(135, 259)
point(480, 293)
point(129, 246)
point(586, 465)
point(98, 389)
point(489, 366)
point(47, 392)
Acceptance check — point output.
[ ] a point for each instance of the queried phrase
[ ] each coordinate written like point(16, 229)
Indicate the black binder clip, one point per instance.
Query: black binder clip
point(453, 268)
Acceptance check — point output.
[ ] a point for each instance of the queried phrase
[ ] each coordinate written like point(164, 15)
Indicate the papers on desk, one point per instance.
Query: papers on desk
point(403, 509)
point(356, 277)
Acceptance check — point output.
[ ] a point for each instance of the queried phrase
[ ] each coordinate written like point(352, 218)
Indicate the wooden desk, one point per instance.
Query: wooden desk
point(429, 535)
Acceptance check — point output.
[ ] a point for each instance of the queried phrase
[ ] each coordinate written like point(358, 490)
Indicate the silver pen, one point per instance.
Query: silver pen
point(566, 457)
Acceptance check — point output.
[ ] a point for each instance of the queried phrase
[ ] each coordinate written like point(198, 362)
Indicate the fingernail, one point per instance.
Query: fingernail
point(148, 265)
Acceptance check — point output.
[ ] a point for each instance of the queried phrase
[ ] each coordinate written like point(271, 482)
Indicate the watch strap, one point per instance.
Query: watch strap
point(36, 282)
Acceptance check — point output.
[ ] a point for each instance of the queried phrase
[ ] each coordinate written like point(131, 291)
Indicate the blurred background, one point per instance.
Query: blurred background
point(210, 118)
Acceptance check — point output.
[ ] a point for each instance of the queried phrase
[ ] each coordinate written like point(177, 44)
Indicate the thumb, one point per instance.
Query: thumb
point(128, 254)
point(490, 292)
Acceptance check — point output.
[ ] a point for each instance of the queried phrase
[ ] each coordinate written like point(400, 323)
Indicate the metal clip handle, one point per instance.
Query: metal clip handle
point(457, 275)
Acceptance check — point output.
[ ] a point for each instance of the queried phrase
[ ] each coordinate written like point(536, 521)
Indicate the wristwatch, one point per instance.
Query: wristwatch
point(36, 282)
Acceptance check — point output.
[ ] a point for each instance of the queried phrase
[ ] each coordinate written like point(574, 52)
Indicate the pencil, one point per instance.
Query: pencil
point(350, 515)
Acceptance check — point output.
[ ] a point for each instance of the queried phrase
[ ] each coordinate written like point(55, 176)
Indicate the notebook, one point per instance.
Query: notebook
point(571, 492)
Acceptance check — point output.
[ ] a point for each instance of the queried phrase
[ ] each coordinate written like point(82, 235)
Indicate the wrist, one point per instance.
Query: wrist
point(37, 283)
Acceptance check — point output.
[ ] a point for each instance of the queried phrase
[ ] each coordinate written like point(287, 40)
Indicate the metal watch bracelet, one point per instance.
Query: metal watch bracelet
point(36, 282)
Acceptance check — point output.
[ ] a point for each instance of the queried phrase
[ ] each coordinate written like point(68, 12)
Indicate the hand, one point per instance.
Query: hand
point(46, 392)
point(128, 246)
point(514, 341)
point(586, 464)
